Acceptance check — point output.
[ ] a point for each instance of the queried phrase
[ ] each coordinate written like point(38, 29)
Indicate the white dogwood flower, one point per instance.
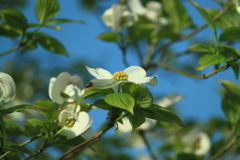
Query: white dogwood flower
point(73, 121)
point(133, 74)
point(118, 17)
point(152, 10)
point(197, 142)
point(65, 88)
point(7, 88)
point(169, 100)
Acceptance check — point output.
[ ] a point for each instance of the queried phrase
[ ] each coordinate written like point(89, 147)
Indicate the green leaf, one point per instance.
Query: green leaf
point(210, 59)
point(109, 37)
point(29, 45)
point(19, 108)
point(15, 19)
point(8, 146)
point(120, 100)
point(136, 120)
point(102, 104)
point(59, 21)
point(86, 107)
point(91, 91)
point(206, 17)
point(230, 103)
point(177, 14)
point(230, 34)
point(50, 43)
point(143, 98)
point(228, 51)
point(38, 124)
point(8, 31)
point(160, 114)
point(235, 68)
point(49, 108)
point(62, 140)
point(201, 48)
point(45, 10)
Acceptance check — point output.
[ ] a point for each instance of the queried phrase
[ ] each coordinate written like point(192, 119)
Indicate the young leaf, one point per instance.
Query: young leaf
point(230, 34)
point(160, 114)
point(38, 124)
point(201, 48)
point(50, 43)
point(91, 91)
point(230, 103)
point(109, 37)
point(15, 19)
point(143, 98)
point(45, 10)
point(136, 120)
point(206, 17)
point(102, 104)
point(49, 108)
point(210, 59)
point(59, 21)
point(120, 100)
point(87, 107)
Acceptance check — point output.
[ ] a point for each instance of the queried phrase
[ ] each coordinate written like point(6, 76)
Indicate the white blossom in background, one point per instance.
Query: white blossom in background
point(65, 88)
point(127, 127)
point(197, 142)
point(169, 100)
point(152, 10)
point(73, 121)
point(7, 88)
point(133, 74)
point(237, 4)
point(118, 17)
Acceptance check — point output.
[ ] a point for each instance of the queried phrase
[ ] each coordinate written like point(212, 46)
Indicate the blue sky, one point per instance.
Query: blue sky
point(201, 101)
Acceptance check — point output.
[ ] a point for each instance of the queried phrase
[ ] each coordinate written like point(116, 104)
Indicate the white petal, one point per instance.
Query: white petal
point(77, 81)
point(139, 80)
point(64, 114)
point(135, 71)
point(153, 81)
point(136, 6)
point(148, 124)
point(68, 132)
point(99, 73)
point(154, 6)
point(126, 126)
point(73, 91)
point(7, 88)
point(129, 18)
point(107, 17)
point(52, 81)
point(117, 17)
point(61, 82)
point(204, 143)
point(104, 83)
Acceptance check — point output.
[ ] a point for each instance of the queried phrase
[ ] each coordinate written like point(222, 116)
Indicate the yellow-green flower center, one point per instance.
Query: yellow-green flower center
point(120, 76)
point(70, 122)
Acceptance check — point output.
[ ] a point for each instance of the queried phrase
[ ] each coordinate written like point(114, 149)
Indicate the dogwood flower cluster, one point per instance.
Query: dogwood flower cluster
point(118, 17)
point(67, 88)
point(7, 88)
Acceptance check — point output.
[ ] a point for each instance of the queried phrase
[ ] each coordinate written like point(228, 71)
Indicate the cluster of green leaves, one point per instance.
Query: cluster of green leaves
point(135, 101)
point(15, 24)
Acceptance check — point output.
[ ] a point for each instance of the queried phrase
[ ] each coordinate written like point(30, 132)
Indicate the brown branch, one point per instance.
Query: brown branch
point(13, 49)
point(83, 144)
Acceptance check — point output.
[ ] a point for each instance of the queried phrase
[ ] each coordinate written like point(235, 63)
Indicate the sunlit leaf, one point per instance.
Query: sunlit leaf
point(45, 10)
point(59, 21)
point(201, 48)
point(136, 120)
point(91, 91)
point(37, 124)
point(210, 59)
point(49, 108)
point(120, 100)
point(87, 107)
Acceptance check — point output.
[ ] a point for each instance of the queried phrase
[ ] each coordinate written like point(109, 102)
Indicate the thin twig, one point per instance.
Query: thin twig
point(13, 49)
point(203, 76)
point(148, 146)
point(23, 144)
point(228, 146)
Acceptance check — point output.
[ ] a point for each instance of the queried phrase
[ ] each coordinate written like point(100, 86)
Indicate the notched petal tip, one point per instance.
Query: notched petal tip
point(153, 81)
